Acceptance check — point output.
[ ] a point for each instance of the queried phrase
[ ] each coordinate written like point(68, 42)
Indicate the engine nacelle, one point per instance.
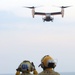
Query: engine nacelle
point(33, 12)
point(62, 12)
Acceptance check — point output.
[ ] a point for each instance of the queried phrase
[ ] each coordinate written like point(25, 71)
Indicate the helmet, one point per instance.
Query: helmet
point(26, 66)
point(47, 62)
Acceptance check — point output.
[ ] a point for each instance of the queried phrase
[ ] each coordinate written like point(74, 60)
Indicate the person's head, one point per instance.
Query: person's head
point(26, 66)
point(47, 62)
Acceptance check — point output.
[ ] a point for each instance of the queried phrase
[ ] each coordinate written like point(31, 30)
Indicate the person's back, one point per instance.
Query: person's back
point(47, 72)
point(48, 65)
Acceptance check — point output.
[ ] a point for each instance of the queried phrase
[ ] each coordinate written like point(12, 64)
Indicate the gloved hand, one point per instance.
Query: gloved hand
point(17, 73)
point(18, 69)
point(34, 70)
point(33, 65)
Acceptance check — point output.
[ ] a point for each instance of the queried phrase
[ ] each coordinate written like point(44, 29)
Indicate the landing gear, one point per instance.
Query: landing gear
point(51, 19)
point(43, 19)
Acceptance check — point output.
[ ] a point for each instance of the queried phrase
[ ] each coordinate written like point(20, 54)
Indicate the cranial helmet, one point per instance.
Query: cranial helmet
point(26, 66)
point(47, 62)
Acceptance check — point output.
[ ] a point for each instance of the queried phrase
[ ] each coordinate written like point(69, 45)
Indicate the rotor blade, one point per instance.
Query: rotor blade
point(65, 6)
point(29, 7)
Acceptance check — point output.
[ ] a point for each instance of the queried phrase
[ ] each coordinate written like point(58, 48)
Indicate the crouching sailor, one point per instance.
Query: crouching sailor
point(26, 67)
point(48, 65)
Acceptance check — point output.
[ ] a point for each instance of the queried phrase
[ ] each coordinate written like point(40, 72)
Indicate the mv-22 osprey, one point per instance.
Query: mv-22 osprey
point(48, 15)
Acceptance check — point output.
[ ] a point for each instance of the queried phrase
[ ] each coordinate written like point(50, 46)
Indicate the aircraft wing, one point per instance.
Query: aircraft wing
point(53, 13)
point(56, 13)
point(39, 13)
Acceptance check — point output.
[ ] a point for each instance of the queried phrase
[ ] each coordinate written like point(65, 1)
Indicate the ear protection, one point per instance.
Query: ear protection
point(32, 66)
point(47, 62)
point(51, 64)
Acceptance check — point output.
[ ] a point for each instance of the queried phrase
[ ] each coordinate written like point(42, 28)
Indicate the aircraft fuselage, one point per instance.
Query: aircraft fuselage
point(48, 18)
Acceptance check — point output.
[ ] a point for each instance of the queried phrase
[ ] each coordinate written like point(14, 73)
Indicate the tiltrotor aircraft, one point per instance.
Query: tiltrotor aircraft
point(48, 16)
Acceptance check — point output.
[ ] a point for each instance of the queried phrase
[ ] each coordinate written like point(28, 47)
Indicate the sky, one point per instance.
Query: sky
point(25, 38)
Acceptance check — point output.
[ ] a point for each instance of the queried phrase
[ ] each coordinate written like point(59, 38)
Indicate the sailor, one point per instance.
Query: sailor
point(25, 68)
point(48, 65)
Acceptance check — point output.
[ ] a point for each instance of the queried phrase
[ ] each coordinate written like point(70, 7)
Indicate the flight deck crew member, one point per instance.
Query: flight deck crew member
point(25, 68)
point(48, 65)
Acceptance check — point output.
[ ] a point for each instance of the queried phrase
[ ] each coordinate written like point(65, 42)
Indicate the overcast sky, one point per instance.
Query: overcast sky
point(25, 38)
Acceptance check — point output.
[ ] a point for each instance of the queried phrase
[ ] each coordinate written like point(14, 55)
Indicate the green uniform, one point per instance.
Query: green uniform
point(48, 72)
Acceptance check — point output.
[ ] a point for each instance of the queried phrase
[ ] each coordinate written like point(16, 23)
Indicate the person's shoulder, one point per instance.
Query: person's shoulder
point(41, 73)
point(26, 74)
point(57, 73)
